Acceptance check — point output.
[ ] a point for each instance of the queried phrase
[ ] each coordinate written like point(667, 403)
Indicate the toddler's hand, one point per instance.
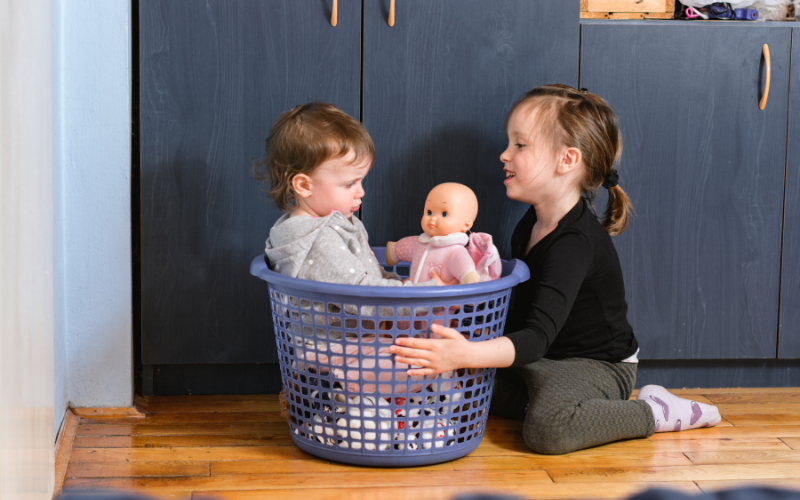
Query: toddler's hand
point(440, 281)
point(432, 356)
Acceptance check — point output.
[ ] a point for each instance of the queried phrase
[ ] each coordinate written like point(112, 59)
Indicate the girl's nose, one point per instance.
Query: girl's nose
point(505, 157)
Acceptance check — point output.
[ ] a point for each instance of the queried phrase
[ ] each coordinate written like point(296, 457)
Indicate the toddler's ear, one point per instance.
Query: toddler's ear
point(302, 185)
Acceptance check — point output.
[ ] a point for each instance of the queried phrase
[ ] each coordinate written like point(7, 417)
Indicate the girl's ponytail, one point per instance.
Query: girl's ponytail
point(586, 122)
point(618, 211)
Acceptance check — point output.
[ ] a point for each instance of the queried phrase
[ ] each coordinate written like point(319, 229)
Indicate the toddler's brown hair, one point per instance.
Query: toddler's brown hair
point(304, 138)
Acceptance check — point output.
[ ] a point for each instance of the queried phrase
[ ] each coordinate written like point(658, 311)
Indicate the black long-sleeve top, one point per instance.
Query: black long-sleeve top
point(574, 303)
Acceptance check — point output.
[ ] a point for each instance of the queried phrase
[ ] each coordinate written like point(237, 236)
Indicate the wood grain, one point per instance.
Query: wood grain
point(180, 441)
point(761, 419)
point(188, 454)
point(737, 398)
point(676, 473)
point(138, 469)
point(256, 429)
point(536, 490)
point(744, 457)
point(299, 480)
point(192, 418)
point(101, 413)
point(793, 443)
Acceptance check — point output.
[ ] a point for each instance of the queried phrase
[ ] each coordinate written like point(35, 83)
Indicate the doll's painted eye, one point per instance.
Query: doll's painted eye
point(430, 213)
point(444, 214)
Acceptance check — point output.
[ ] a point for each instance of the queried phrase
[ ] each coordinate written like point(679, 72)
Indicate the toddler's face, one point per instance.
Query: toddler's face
point(443, 215)
point(337, 186)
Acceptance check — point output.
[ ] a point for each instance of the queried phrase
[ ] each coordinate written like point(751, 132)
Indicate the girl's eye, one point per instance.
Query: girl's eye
point(430, 213)
point(444, 214)
point(351, 184)
point(520, 146)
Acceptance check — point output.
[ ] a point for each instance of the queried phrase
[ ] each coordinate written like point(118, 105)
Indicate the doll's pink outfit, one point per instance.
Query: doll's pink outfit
point(449, 254)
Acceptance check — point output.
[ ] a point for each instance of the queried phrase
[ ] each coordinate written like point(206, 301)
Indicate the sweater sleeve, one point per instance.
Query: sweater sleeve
point(565, 265)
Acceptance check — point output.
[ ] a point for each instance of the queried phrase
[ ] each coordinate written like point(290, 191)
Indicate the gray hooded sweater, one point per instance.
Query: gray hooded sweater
point(329, 249)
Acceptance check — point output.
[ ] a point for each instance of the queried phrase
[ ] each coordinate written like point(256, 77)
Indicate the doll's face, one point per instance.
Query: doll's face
point(450, 208)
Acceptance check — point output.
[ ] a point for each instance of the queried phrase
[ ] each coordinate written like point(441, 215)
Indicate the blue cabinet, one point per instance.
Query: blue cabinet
point(789, 329)
point(704, 168)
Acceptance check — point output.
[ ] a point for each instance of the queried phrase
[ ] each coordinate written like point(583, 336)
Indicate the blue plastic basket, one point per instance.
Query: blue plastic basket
point(349, 400)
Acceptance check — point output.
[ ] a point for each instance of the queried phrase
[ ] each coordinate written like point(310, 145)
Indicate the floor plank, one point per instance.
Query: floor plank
point(738, 398)
point(764, 419)
point(158, 406)
point(676, 473)
point(745, 457)
point(385, 479)
point(180, 441)
point(188, 454)
point(255, 429)
point(297, 467)
point(192, 418)
point(489, 448)
point(524, 490)
point(770, 431)
point(138, 469)
point(757, 409)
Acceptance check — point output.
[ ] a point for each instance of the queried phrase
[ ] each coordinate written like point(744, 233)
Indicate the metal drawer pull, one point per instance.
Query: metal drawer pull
point(391, 12)
point(334, 13)
point(763, 103)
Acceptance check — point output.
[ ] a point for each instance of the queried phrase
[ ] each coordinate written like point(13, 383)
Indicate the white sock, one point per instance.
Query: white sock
point(675, 414)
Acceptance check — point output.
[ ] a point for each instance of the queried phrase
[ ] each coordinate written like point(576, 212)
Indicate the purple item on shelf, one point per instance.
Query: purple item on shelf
point(349, 400)
point(746, 14)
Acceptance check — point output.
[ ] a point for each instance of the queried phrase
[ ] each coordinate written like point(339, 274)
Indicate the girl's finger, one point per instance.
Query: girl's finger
point(409, 353)
point(415, 362)
point(421, 371)
point(445, 332)
point(423, 344)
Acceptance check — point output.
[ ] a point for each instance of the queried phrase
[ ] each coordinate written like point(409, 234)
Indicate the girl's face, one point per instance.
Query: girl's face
point(336, 186)
point(529, 164)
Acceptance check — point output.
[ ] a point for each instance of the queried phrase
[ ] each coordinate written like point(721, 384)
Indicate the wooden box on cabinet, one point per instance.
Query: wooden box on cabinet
point(628, 9)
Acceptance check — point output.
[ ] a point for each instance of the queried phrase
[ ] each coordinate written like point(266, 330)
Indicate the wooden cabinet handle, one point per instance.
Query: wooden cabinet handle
point(334, 13)
point(391, 12)
point(763, 103)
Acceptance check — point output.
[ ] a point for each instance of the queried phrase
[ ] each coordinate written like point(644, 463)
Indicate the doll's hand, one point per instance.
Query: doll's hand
point(440, 281)
point(432, 356)
point(471, 277)
point(389, 260)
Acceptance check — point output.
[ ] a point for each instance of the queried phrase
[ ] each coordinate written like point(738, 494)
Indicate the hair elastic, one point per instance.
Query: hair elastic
point(612, 179)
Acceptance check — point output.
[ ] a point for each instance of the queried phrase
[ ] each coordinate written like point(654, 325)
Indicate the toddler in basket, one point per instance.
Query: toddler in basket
point(316, 159)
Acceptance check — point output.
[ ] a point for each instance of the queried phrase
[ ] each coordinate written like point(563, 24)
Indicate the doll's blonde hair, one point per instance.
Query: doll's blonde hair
point(304, 138)
point(584, 121)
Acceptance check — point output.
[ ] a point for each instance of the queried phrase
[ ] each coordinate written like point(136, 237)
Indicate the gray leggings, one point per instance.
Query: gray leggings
point(575, 403)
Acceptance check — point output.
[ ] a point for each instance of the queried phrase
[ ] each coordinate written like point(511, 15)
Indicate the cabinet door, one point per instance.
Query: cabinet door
point(214, 77)
point(789, 329)
point(437, 87)
point(704, 169)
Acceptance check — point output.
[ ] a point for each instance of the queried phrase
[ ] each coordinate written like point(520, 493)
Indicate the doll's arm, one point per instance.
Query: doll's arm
point(462, 266)
point(402, 250)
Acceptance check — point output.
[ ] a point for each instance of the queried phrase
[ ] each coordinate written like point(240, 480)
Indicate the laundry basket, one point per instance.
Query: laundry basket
point(349, 400)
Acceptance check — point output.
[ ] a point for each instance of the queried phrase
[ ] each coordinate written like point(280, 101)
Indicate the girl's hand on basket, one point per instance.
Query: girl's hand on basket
point(440, 281)
point(432, 356)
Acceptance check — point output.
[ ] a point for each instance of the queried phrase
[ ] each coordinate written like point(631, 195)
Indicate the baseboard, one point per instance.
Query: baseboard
point(709, 373)
point(63, 450)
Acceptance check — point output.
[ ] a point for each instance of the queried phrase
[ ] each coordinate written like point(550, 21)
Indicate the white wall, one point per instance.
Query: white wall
point(26, 250)
point(92, 202)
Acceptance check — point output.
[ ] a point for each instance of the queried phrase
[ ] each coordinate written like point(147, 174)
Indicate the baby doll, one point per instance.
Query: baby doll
point(450, 211)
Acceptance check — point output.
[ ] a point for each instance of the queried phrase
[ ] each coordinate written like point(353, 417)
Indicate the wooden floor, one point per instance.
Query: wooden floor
point(238, 447)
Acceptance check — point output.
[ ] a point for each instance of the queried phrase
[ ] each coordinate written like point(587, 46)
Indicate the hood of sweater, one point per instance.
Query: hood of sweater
point(291, 238)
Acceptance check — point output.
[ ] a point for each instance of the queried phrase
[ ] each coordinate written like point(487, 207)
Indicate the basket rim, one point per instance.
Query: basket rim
point(519, 273)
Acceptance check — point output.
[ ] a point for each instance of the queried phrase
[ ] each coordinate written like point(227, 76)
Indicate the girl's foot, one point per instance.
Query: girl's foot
point(675, 414)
